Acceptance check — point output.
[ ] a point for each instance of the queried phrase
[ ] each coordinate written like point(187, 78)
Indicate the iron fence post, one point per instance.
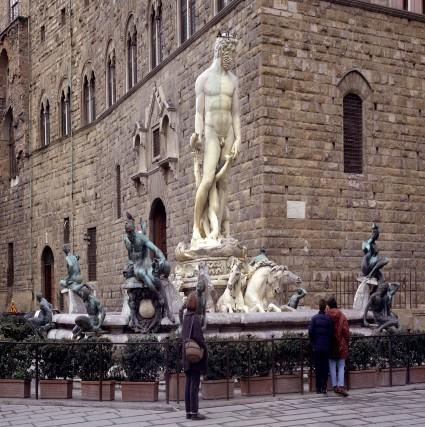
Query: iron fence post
point(178, 368)
point(273, 368)
point(390, 350)
point(302, 363)
point(36, 371)
point(249, 364)
point(167, 373)
point(227, 372)
point(100, 371)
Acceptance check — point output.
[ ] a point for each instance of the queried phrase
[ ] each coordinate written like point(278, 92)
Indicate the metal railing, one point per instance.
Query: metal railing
point(408, 296)
point(230, 360)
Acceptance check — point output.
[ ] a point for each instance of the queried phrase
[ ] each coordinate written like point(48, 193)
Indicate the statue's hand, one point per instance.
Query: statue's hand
point(195, 142)
point(235, 149)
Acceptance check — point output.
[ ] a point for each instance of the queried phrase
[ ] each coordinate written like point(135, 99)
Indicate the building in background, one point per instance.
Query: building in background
point(97, 106)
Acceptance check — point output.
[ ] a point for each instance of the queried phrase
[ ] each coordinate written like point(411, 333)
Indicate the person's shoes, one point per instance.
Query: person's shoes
point(336, 389)
point(343, 392)
point(188, 416)
point(324, 391)
point(198, 416)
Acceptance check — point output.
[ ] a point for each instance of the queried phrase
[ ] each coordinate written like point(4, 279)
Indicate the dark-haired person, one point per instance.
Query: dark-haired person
point(320, 332)
point(192, 329)
point(339, 348)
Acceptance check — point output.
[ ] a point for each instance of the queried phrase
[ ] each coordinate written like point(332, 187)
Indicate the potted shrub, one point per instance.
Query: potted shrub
point(56, 364)
point(363, 359)
point(255, 361)
point(287, 378)
point(15, 370)
point(218, 382)
point(142, 360)
point(416, 349)
point(175, 379)
point(93, 359)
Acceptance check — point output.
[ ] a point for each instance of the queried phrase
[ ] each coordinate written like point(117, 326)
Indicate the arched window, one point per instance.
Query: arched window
point(89, 99)
point(156, 35)
point(221, 4)
point(131, 58)
point(353, 133)
point(66, 112)
point(4, 77)
point(111, 79)
point(92, 97)
point(187, 19)
point(45, 123)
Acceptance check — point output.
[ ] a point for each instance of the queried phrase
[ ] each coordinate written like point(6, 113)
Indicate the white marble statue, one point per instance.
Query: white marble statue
point(218, 131)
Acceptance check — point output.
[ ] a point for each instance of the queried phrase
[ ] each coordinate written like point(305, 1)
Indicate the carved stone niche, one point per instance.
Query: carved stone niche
point(156, 140)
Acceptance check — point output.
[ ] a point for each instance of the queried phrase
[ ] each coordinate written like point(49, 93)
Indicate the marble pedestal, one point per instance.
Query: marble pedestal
point(75, 302)
point(218, 257)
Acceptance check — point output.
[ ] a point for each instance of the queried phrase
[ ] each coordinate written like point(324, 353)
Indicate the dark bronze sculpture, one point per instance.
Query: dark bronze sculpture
point(380, 303)
point(92, 323)
point(144, 280)
point(44, 321)
point(372, 262)
point(74, 281)
point(295, 299)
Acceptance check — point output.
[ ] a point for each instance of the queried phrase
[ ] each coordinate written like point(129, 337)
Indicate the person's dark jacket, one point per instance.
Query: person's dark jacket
point(198, 336)
point(320, 332)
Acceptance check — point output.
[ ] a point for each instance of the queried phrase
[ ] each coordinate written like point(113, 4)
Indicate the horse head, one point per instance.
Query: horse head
point(274, 281)
point(234, 276)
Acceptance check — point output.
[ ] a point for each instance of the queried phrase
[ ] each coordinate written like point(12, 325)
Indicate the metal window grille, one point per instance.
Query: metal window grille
point(66, 231)
point(118, 189)
point(353, 134)
point(91, 254)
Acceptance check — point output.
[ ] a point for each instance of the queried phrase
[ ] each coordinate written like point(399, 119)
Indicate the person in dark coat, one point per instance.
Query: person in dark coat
point(192, 329)
point(320, 332)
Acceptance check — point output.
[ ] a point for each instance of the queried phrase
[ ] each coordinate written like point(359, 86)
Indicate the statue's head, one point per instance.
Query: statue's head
point(130, 225)
point(263, 251)
point(38, 296)
point(66, 249)
point(224, 48)
point(85, 292)
point(383, 289)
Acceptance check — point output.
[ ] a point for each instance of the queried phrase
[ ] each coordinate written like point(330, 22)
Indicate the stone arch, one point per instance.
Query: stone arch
point(355, 82)
point(158, 225)
point(4, 79)
point(8, 164)
point(130, 38)
point(47, 275)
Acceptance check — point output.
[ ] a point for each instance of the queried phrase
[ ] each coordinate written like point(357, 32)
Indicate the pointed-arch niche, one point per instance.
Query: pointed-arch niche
point(47, 275)
point(158, 225)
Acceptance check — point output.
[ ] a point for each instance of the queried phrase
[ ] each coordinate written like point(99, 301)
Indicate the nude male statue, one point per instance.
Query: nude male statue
point(218, 128)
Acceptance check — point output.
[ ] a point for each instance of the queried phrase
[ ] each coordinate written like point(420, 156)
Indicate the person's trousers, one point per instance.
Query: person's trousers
point(334, 365)
point(321, 366)
point(191, 396)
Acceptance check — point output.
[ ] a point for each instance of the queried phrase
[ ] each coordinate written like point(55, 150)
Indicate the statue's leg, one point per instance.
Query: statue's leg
point(166, 305)
point(211, 157)
point(390, 323)
point(213, 208)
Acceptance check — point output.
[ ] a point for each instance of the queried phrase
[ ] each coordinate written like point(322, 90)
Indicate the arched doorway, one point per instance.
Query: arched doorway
point(47, 275)
point(158, 225)
point(4, 77)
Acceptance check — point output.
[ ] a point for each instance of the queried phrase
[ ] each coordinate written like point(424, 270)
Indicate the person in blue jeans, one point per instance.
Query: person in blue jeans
point(320, 332)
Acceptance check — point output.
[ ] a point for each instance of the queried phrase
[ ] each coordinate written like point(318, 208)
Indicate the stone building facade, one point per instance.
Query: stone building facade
point(97, 108)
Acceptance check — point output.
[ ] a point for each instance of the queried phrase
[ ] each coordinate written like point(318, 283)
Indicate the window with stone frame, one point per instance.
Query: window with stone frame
point(353, 133)
point(221, 4)
point(66, 231)
point(65, 111)
point(131, 58)
point(157, 48)
point(156, 143)
point(10, 266)
point(92, 97)
point(13, 9)
point(8, 120)
point(89, 99)
point(45, 123)
point(187, 19)
point(111, 79)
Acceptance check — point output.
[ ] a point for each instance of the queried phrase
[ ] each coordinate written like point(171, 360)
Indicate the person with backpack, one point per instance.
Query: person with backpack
point(195, 356)
point(320, 332)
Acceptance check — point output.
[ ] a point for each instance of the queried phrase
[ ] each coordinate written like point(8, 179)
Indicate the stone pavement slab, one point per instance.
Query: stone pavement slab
point(391, 407)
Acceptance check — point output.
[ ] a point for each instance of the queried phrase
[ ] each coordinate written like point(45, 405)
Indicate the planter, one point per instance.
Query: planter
point(287, 383)
point(15, 388)
point(417, 374)
point(217, 389)
point(139, 391)
point(256, 386)
point(90, 390)
point(55, 389)
point(362, 379)
point(383, 377)
point(172, 386)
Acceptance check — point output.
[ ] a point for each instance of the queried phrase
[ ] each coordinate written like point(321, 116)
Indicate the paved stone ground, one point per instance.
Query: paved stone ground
point(386, 407)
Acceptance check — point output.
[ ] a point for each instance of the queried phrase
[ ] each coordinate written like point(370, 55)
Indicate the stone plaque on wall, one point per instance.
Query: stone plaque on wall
point(295, 210)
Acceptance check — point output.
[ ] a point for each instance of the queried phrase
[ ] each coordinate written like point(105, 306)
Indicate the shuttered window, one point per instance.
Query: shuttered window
point(156, 143)
point(91, 254)
point(353, 134)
